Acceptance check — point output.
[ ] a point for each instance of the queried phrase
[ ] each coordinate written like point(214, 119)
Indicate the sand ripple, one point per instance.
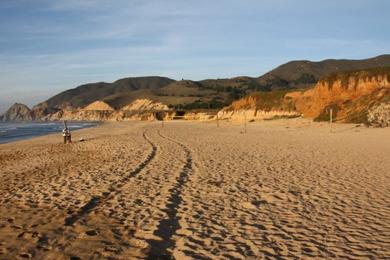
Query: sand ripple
point(286, 189)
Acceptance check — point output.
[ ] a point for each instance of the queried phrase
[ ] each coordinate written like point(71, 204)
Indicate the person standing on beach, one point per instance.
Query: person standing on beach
point(66, 134)
point(69, 136)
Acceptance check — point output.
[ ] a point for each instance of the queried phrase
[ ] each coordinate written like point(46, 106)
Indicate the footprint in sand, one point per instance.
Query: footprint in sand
point(25, 255)
point(92, 232)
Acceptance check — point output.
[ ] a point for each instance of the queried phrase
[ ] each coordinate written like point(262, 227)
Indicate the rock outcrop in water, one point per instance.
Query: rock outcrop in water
point(17, 113)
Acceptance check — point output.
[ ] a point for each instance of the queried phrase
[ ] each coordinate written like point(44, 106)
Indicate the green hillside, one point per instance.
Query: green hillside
point(204, 94)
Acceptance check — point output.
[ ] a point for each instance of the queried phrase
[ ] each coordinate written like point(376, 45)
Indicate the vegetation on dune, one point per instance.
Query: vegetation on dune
point(355, 111)
point(267, 100)
point(281, 117)
point(386, 97)
point(199, 104)
point(361, 107)
point(325, 114)
point(360, 117)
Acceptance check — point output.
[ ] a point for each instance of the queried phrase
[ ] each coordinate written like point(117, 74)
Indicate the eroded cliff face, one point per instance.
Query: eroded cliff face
point(80, 115)
point(145, 105)
point(264, 106)
point(126, 115)
point(101, 111)
point(242, 115)
point(345, 97)
point(358, 97)
point(17, 113)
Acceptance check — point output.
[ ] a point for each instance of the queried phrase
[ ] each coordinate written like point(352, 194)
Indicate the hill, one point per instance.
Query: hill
point(303, 74)
point(204, 94)
point(88, 93)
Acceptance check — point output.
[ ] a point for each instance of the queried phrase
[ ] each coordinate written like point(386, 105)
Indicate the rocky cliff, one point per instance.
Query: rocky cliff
point(17, 113)
point(350, 95)
point(356, 96)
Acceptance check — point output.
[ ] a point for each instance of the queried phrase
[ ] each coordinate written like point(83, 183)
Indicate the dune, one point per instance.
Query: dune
point(189, 190)
point(98, 106)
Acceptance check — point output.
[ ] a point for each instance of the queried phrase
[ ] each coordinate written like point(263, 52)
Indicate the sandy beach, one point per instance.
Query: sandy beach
point(286, 189)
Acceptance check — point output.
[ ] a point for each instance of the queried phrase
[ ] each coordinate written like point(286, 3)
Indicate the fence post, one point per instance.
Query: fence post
point(330, 118)
point(217, 120)
point(244, 122)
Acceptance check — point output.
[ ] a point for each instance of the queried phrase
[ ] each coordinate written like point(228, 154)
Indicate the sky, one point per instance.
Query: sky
point(47, 46)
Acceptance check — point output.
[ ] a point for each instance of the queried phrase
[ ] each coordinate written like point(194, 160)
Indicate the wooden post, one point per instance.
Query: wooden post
point(217, 120)
point(330, 118)
point(244, 122)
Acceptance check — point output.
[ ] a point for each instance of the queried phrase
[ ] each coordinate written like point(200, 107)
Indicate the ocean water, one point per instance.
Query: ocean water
point(10, 132)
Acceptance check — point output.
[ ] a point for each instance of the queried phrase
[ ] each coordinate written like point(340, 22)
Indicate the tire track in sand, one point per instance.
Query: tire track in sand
point(168, 226)
point(113, 189)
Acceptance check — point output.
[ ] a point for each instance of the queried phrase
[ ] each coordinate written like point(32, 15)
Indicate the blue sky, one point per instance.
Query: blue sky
point(47, 46)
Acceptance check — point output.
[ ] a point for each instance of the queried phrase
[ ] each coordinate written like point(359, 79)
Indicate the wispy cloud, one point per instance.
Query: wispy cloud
point(55, 44)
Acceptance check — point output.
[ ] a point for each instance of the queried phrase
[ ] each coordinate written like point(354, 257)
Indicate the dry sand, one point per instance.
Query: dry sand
point(285, 189)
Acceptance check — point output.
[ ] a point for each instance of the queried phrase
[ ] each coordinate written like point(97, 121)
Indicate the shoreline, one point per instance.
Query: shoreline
point(19, 131)
point(302, 123)
point(221, 121)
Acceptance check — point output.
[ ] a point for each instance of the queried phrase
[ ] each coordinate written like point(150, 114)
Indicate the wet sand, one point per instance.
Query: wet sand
point(285, 188)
